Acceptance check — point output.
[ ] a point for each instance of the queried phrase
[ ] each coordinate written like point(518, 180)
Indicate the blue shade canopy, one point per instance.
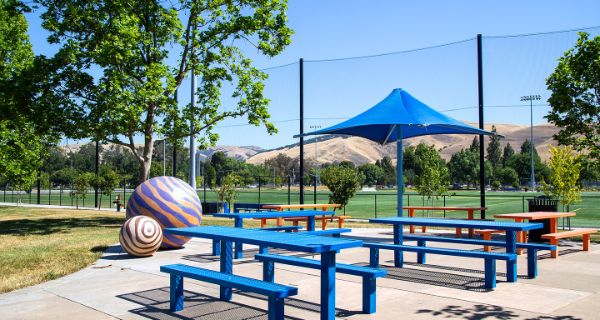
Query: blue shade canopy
point(396, 117)
point(380, 123)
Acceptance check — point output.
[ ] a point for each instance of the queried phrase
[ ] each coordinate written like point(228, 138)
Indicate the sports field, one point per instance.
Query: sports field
point(364, 204)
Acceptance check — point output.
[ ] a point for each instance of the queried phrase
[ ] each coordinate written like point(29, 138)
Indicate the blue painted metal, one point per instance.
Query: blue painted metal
point(226, 266)
point(239, 247)
point(456, 223)
point(276, 292)
point(490, 273)
point(489, 257)
point(511, 247)
point(176, 293)
point(282, 228)
point(298, 241)
point(532, 248)
point(532, 269)
point(327, 285)
point(373, 257)
point(276, 307)
point(421, 255)
point(245, 206)
point(369, 275)
point(398, 255)
point(333, 232)
point(269, 271)
point(399, 172)
point(216, 248)
point(369, 297)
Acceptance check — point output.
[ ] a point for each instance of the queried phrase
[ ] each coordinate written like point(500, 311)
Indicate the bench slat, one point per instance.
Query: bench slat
point(523, 245)
point(315, 264)
point(230, 280)
point(443, 251)
point(568, 234)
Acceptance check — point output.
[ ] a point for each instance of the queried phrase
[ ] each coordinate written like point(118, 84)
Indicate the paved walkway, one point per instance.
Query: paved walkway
point(120, 287)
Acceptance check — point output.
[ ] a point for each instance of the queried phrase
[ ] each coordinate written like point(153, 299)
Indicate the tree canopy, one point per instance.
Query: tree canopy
point(575, 98)
point(141, 51)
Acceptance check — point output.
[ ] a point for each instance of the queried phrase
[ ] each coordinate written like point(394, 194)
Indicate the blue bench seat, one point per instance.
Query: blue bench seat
point(532, 248)
point(368, 274)
point(333, 232)
point(275, 292)
point(489, 257)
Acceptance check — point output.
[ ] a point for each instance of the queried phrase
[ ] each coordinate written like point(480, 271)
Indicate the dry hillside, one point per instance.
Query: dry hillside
point(360, 151)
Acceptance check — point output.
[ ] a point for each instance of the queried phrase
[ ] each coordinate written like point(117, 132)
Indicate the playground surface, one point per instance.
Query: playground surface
point(120, 287)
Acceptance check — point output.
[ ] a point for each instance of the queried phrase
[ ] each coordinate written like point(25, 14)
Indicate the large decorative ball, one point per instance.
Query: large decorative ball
point(169, 201)
point(140, 236)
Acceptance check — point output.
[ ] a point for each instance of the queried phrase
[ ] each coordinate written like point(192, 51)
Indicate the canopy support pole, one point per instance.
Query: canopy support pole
point(399, 168)
point(481, 140)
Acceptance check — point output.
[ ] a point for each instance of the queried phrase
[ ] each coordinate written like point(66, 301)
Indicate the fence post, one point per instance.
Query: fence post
point(376, 205)
point(60, 196)
point(408, 198)
point(444, 196)
point(124, 184)
point(315, 190)
point(4, 193)
point(258, 189)
point(289, 189)
point(523, 202)
point(49, 193)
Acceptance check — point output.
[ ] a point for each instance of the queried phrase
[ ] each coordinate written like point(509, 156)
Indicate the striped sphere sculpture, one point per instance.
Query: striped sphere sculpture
point(169, 201)
point(140, 236)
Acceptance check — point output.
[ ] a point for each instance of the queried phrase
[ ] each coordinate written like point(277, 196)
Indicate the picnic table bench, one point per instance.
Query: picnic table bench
point(295, 220)
point(327, 247)
point(368, 274)
point(584, 233)
point(276, 292)
point(470, 215)
point(510, 244)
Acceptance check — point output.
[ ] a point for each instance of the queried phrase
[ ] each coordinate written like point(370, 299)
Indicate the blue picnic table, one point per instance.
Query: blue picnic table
point(325, 246)
point(240, 216)
point(511, 229)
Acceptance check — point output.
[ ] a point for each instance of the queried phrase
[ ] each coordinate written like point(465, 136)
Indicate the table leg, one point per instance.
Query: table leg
point(340, 222)
point(511, 247)
point(398, 255)
point(263, 223)
point(411, 213)
point(328, 285)
point(520, 236)
point(311, 223)
point(458, 232)
point(470, 217)
point(324, 222)
point(226, 267)
point(279, 222)
point(239, 247)
point(553, 225)
point(295, 223)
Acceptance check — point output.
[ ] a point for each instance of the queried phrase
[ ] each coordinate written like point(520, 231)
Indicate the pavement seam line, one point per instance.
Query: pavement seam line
point(79, 303)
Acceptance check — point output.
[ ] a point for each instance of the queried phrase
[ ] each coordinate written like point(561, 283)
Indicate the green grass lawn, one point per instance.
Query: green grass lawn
point(372, 204)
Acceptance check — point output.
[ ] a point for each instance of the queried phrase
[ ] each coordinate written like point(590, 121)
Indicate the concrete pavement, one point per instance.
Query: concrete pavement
point(121, 287)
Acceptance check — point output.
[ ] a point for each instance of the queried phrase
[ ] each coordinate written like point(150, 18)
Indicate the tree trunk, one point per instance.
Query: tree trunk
point(146, 159)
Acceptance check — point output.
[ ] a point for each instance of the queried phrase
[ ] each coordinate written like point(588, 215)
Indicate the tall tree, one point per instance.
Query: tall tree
point(432, 173)
point(21, 145)
point(474, 145)
point(575, 98)
point(507, 153)
point(116, 76)
point(494, 154)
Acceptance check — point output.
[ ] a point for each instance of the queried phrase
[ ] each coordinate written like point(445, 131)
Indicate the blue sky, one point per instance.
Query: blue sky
point(444, 77)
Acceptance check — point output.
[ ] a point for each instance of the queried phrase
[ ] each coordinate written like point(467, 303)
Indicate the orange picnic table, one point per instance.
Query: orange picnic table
point(470, 215)
point(538, 215)
point(322, 206)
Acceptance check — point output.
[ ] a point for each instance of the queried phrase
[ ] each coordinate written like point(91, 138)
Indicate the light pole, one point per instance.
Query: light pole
point(531, 98)
point(164, 143)
point(316, 127)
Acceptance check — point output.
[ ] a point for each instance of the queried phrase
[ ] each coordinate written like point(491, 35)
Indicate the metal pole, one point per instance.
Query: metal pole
point(39, 188)
point(192, 173)
point(301, 131)
point(315, 190)
point(532, 145)
point(174, 160)
point(289, 189)
point(481, 149)
point(258, 189)
point(97, 172)
point(399, 172)
point(164, 157)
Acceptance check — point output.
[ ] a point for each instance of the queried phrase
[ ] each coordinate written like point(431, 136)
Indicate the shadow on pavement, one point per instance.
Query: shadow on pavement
point(480, 311)
point(155, 305)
